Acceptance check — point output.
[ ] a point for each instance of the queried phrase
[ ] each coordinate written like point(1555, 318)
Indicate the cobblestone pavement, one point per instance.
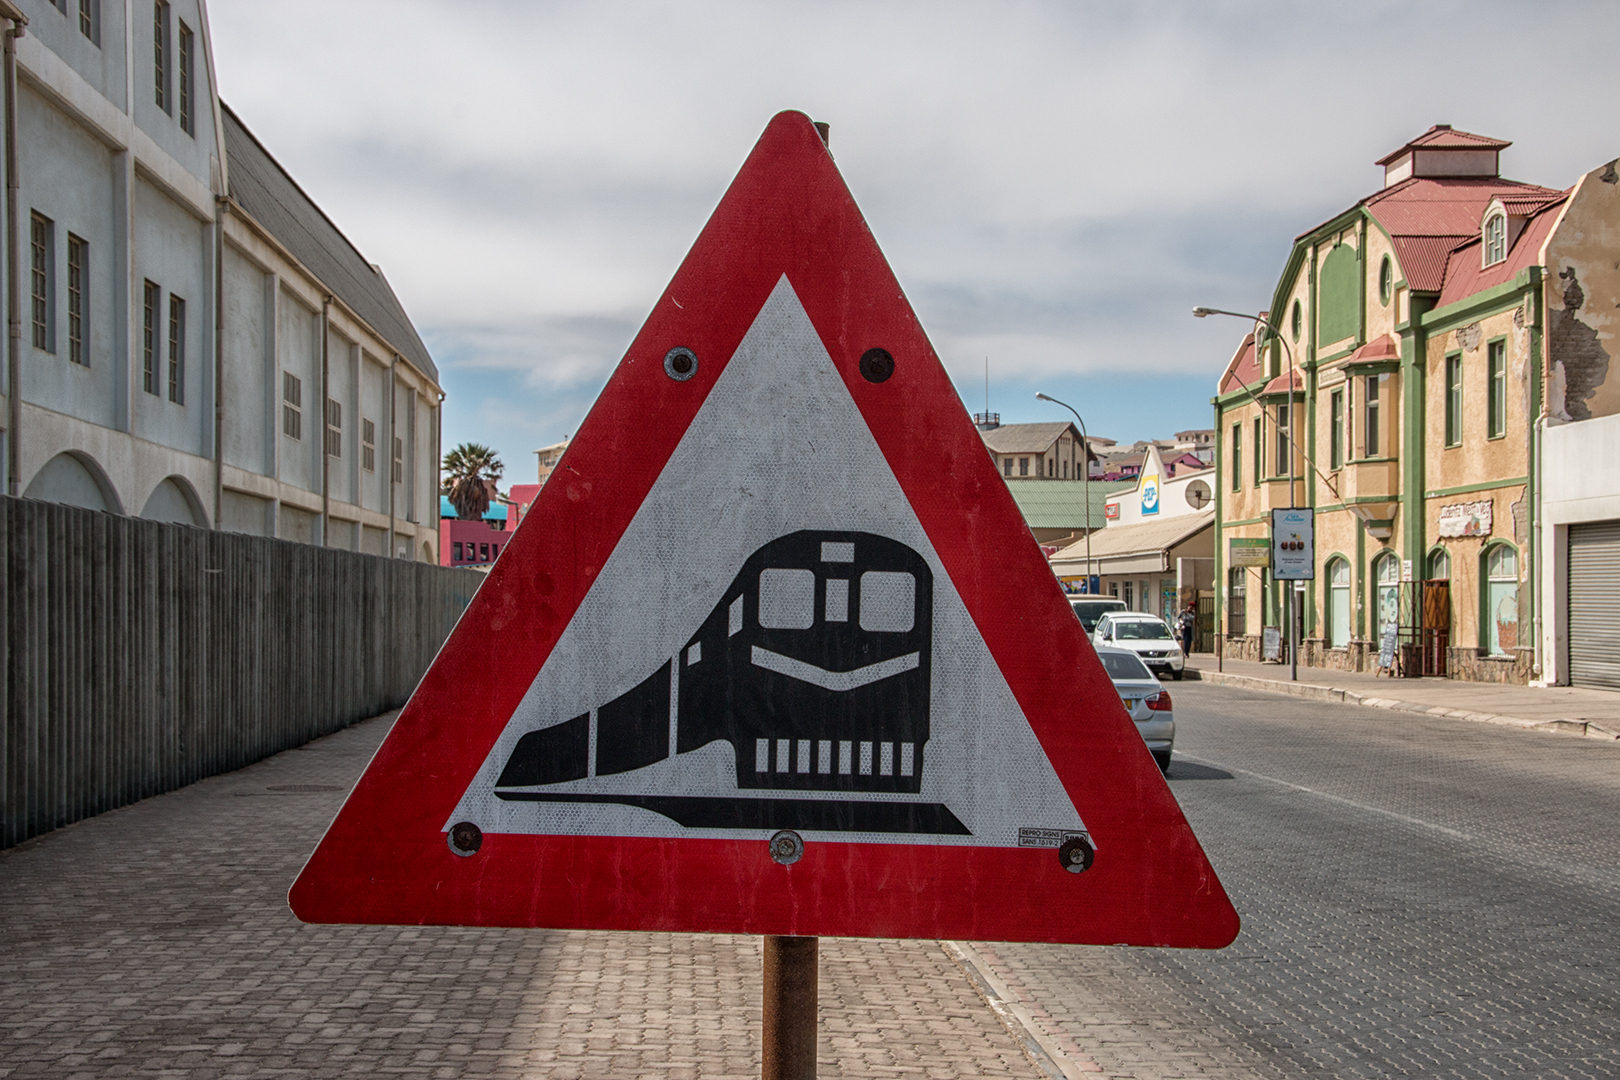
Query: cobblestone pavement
point(155, 941)
point(1421, 897)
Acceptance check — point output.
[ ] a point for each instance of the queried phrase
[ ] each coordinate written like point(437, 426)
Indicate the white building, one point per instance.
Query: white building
point(185, 308)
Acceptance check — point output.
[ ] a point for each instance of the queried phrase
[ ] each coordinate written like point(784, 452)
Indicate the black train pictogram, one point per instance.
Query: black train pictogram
point(814, 666)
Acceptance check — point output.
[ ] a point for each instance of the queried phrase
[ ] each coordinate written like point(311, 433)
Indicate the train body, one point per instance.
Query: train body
point(814, 666)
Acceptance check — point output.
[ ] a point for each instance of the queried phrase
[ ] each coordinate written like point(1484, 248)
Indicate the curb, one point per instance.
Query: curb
point(1045, 1055)
point(1588, 728)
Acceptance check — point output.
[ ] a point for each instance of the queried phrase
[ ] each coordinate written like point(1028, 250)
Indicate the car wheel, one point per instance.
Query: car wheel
point(1163, 759)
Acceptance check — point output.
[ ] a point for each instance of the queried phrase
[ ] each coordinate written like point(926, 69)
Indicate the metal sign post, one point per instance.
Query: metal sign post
point(788, 1041)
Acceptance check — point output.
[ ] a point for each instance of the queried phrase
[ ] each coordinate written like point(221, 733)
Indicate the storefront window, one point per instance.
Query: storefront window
point(1502, 599)
point(1338, 604)
point(1387, 573)
point(1237, 611)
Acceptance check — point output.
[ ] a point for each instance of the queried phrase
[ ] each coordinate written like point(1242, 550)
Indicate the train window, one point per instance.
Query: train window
point(888, 601)
point(787, 599)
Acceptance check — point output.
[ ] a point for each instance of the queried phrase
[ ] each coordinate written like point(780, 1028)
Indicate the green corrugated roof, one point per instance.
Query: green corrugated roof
point(1060, 504)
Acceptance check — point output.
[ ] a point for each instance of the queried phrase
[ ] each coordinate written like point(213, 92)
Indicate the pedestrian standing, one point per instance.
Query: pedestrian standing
point(1185, 627)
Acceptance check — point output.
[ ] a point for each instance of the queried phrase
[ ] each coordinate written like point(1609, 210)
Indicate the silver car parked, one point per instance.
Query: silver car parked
point(1147, 701)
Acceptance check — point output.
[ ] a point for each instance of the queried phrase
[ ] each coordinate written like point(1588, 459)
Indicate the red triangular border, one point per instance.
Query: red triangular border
point(385, 858)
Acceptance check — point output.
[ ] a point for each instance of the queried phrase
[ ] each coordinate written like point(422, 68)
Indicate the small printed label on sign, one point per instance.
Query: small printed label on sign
point(1050, 838)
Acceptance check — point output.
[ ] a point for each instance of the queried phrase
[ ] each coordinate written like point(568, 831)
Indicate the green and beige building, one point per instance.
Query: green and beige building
point(1436, 362)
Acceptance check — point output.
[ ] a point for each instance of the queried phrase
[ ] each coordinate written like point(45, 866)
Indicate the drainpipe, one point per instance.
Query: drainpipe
point(326, 458)
point(393, 424)
point(13, 300)
point(219, 360)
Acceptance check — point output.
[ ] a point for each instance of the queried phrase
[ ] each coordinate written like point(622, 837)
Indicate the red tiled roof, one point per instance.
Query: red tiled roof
point(1242, 370)
point(1525, 206)
point(1383, 347)
point(1279, 385)
point(1465, 276)
point(1423, 259)
point(1445, 137)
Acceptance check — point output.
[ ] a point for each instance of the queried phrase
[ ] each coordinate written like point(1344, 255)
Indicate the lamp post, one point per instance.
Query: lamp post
point(1259, 321)
point(1085, 476)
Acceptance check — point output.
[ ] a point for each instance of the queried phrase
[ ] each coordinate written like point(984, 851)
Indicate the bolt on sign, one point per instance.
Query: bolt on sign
point(759, 662)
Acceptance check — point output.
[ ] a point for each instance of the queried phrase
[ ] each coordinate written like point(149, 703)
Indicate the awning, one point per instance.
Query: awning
point(1132, 549)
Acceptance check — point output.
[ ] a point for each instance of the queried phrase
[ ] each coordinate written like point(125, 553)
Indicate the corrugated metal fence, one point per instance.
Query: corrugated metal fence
point(141, 656)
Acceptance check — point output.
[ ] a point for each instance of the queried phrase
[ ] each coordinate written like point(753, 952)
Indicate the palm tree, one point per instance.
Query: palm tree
point(470, 472)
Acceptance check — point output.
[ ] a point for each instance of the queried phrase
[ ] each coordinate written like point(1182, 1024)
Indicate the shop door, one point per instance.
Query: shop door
point(1594, 605)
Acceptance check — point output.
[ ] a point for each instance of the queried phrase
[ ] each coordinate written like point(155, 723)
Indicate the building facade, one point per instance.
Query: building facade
point(200, 344)
point(1417, 350)
point(1034, 451)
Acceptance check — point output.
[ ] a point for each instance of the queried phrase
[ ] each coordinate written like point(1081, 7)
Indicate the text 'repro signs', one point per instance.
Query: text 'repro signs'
point(773, 651)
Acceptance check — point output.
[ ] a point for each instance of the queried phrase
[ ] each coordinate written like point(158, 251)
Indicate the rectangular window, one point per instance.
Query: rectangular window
point(368, 445)
point(160, 52)
point(455, 551)
point(78, 269)
point(292, 406)
point(1453, 400)
point(1284, 420)
point(1259, 447)
point(399, 460)
point(188, 51)
point(1496, 402)
point(334, 428)
point(42, 266)
point(1237, 457)
point(90, 20)
point(177, 350)
point(149, 345)
point(1237, 595)
point(1336, 428)
point(1372, 416)
point(1023, 466)
point(1007, 466)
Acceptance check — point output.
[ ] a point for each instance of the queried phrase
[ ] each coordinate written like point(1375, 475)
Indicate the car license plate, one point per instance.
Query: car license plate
point(1129, 703)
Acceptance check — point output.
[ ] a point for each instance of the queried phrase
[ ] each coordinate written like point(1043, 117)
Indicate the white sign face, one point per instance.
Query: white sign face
point(775, 572)
point(1293, 544)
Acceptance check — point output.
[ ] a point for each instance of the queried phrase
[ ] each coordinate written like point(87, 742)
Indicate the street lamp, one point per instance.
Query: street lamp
point(1259, 321)
point(1085, 476)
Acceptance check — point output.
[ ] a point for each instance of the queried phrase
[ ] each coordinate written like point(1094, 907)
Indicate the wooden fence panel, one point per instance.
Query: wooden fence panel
point(142, 656)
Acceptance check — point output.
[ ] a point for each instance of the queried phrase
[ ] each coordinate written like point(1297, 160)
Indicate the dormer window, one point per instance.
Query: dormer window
point(1495, 239)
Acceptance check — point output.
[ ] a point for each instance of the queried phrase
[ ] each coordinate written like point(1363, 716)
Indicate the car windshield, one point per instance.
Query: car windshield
point(1141, 630)
point(1089, 611)
point(1123, 666)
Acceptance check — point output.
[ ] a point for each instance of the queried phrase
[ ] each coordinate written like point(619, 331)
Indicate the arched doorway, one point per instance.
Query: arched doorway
point(175, 501)
point(74, 479)
point(1338, 603)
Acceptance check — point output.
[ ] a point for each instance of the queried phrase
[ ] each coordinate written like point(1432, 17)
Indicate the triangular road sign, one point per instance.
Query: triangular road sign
point(773, 652)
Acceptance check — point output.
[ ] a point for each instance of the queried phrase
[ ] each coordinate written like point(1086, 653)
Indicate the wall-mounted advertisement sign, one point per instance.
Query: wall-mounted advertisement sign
point(1466, 519)
point(1150, 494)
point(1242, 551)
point(1293, 544)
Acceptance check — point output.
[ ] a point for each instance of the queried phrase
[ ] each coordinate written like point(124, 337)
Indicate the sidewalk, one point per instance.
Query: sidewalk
point(155, 940)
point(1572, 710)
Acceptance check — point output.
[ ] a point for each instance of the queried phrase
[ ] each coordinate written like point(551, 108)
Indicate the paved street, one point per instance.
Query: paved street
point(1420, 896)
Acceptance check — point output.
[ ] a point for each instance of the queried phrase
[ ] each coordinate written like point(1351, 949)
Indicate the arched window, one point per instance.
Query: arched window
point(1501, 599)
point(1386, 280)
point(1338, 604)
point(1387, 575)
point(1297, 320)
point(1495, 239)
point(1439, 565)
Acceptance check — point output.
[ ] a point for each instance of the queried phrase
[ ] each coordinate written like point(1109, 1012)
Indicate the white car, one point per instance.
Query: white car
point(1145, 699)
point(1148, 636)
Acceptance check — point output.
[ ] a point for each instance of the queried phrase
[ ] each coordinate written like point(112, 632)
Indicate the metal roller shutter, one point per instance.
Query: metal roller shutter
point(1594, 605)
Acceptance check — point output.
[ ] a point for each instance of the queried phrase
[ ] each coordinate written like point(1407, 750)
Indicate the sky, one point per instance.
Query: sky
point(1056, 185)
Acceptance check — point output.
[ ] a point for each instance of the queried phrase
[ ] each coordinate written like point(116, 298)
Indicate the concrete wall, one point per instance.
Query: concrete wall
point(141, 656)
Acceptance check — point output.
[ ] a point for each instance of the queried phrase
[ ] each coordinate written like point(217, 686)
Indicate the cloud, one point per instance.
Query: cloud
point(1055, 184)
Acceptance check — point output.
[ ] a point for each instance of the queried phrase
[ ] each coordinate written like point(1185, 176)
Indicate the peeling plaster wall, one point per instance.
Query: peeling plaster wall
point(1583, 301)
